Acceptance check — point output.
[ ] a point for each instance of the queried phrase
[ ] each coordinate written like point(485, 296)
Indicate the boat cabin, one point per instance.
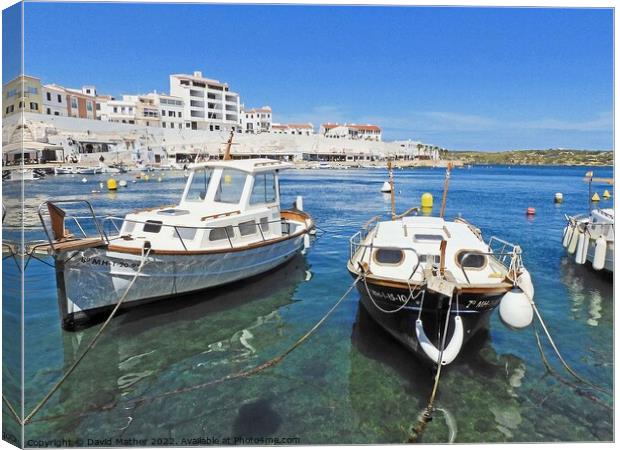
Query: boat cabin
point(225, 204)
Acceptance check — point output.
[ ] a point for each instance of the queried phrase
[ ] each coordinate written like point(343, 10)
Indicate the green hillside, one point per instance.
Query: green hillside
point(537, 157)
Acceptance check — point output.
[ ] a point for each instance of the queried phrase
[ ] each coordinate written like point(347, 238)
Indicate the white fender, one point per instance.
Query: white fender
point(582, 248)
point(452, 349)
point(524, 281)
point(572, 244)
point(600, 252)
point(568, 232)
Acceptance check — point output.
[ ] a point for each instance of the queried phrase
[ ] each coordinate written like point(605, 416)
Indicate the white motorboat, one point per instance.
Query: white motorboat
point(88, 170)
point(433, 283)
point(64, 170)
point(591, 238)
point(228, 226)
point(324, 165)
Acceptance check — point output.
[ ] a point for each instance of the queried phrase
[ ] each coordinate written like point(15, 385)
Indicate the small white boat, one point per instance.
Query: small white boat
point(433, 283)
point(87, 170)
point(227, 227)
point(23, 175)
point(324, 165)
point(64, 170)
point(591, 238)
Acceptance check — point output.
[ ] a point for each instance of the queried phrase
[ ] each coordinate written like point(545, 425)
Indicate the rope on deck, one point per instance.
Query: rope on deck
point(90, 345)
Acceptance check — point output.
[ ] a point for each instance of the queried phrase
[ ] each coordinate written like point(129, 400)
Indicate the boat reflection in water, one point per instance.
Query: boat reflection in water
point(169, 345)
point(588, 291)
point(385, 381)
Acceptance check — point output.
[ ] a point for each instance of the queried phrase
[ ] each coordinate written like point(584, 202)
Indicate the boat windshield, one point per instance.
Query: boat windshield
point(231, 186)
point(198, 188)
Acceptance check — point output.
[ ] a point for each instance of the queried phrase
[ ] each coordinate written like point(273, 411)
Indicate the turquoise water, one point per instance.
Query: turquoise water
point(350, 382)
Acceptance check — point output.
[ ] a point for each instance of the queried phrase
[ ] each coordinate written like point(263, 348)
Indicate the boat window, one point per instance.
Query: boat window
point(264, 190)
point(231, 186)
point(247, 228)
point(185, 233)
point(264, 223)
point(470, 260)
point(218, 234)
point(198, 189)
point(389, 256)
point(152, 226)
point(128, 227)
point(428, 237)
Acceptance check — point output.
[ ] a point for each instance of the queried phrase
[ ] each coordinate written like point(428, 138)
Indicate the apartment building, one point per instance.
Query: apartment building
point(121, 110)
point(299, 129)
point(147, 112)
point(256, 120)
point(81, 102)
point(22, 94)
point(54, 100)
point(351, 131)
point(171, 110)
point(207, 104)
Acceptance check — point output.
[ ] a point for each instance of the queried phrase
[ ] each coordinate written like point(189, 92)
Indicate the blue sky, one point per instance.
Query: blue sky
point(463, 78)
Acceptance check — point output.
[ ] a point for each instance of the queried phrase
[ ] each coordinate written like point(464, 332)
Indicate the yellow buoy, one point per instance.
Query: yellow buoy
point(595, 197)
point(606, 194)
point(427, 200)
point(146, 178)
point(427, 211)
point(111, 184)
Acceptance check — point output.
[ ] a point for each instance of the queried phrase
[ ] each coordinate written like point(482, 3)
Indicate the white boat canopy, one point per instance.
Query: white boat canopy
point(254, 165)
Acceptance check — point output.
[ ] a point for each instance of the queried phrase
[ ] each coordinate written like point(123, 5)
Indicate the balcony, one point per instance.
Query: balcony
point(194, 93)
point(198, 114)
point(197, 104)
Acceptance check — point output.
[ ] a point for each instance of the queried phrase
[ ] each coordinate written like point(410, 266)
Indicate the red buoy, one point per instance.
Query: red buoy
point(530, 211)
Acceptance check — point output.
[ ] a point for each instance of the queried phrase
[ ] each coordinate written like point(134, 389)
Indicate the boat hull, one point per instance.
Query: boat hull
point(474, 309)
point(91, 281)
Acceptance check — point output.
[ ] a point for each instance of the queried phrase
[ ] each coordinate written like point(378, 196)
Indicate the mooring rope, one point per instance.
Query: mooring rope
point(427, 414)
point(559, 355)
point(562, 379)
point(253, 371)
point(401, 307)
point(90, 345)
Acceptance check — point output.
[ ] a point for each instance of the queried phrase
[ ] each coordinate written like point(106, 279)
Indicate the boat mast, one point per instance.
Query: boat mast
point(229, 145)
point(444, 198)
point(391, 178)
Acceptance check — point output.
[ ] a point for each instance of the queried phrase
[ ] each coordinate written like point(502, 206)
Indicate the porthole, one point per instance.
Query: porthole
point(388, 256)
point(469, 259)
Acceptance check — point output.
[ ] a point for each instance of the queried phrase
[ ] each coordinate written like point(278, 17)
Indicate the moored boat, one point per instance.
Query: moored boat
point(433, 283)
point(227, 227)
point(590, 237)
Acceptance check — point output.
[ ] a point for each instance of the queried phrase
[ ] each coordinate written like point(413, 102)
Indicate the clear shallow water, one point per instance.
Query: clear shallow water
point(350, 382)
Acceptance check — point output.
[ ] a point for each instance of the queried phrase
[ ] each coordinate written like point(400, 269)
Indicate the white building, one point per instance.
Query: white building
point(120, 111)
point(256, 120)
point(366, 132)
point(171, 109)
point(207, 104)
point(298, 129)
point(54, 100)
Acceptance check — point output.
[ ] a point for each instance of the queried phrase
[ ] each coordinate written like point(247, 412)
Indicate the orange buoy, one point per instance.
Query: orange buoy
point(530, 211)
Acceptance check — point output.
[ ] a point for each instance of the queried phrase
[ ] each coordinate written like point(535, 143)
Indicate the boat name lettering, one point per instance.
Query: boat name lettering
point(478, 304)
point(401, 298)
point(106, 262)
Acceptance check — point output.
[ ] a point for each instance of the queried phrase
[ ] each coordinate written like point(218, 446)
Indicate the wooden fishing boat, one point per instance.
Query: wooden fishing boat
point(433, 283)
point(227, 227)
